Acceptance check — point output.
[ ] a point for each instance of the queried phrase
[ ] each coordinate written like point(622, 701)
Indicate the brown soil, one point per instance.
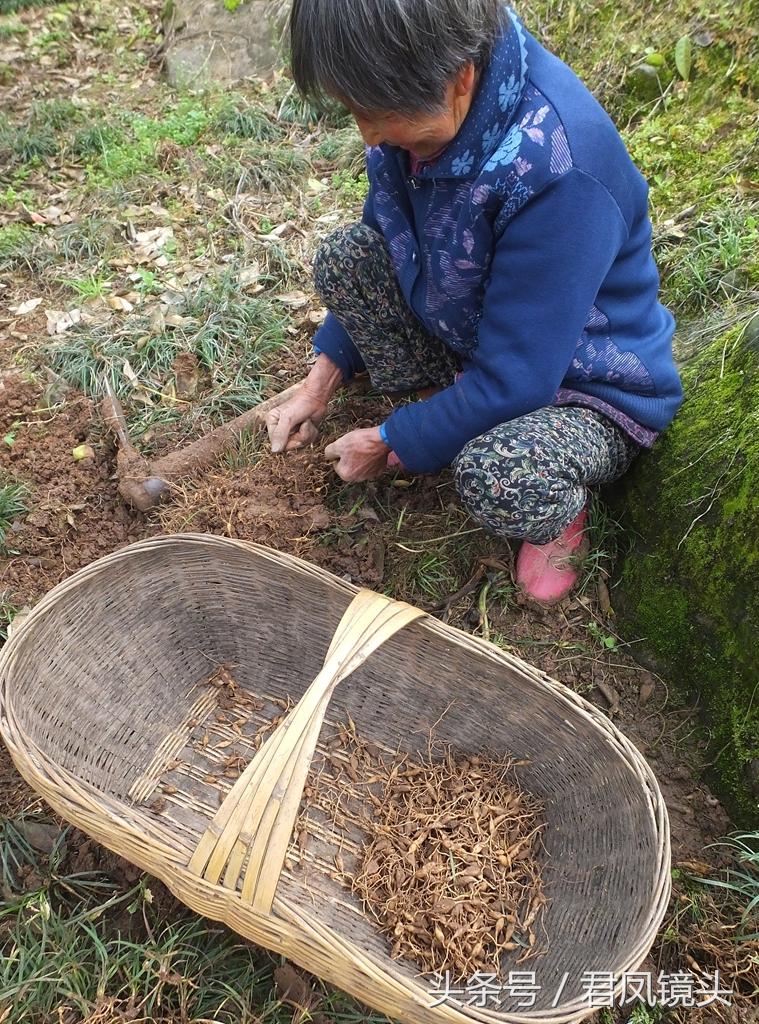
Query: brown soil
point(278, 502)
point(75, 513)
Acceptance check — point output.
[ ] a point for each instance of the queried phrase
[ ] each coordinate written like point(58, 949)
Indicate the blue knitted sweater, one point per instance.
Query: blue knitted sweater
point(526, 248)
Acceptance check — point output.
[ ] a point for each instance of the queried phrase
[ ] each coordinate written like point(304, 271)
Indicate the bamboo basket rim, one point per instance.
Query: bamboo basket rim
point(97, 813)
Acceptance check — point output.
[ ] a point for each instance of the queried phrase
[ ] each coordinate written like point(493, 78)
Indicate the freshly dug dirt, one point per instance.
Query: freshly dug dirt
point(75, 514)
point(278, 502)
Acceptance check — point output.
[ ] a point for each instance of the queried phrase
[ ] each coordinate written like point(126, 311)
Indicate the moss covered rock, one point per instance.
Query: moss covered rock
point(690, 584)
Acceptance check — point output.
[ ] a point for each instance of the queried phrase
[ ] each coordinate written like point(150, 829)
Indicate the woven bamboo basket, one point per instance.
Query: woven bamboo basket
point(101, 699)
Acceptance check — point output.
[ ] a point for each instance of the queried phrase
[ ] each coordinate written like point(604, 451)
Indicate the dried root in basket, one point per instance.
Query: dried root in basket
point(449, 868)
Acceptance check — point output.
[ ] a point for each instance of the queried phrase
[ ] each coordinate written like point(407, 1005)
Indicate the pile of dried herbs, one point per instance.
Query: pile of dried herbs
point(449, 868)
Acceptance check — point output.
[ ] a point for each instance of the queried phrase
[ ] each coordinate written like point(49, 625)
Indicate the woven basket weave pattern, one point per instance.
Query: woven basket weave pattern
point(102, 690)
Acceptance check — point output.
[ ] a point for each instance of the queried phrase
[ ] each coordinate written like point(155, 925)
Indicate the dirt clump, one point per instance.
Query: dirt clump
point(75, 514)
point(275, 501)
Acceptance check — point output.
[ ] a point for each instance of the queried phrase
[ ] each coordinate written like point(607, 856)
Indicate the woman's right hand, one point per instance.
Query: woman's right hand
point(295, 423)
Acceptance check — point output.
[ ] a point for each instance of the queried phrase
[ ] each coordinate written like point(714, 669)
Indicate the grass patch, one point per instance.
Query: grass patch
point(245, 120)
point(56, 114)
point(352, 189)
point(29, 144)
point(74, 945)
point(343, 149)
point(602, 532)
point(717, 259)
point(38, 137)
point(11, 28)
point(128, 145)
point(291, 108)
point(18, 246)
point(93, 286)
point(8, 612)
point(229, 333)
point(14, 6)
point(13, 496)
point(84, 240)
point(94, 140)
point(256, 166)
point(10, 198)
point(741, 882)
point(429, 556)
point(251, 445)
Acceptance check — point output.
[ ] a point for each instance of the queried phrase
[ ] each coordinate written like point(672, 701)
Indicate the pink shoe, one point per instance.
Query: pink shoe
point(546, 573)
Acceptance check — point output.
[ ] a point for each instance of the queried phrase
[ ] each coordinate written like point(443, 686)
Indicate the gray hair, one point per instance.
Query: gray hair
point(389, 55)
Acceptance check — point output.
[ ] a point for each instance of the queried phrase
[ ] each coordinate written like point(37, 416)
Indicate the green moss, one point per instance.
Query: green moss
point(12, 6)
point(352, 189)
point(694, 142)
point(691, 582)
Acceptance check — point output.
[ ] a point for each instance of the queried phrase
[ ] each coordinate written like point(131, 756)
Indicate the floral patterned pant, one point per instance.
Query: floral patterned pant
point(355, 278)
point(527, 478)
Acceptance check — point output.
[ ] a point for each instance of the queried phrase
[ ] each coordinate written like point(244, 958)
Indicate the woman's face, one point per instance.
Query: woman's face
point(423, 134)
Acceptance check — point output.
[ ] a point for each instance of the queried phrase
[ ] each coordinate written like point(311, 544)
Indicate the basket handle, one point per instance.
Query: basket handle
point(252, 828)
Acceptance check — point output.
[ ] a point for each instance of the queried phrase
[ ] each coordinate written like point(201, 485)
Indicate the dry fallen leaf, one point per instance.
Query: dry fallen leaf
point(296, 300)
point(604, 598)
point(696, 867)
point(59, 321)
point(157, 321)
point(249, 275)
point(149, 245)
point(50, 215)
point(294, 990)
point(175, 320)
point(610, 695)
point(169, 393)
point(25, 307)
point(120, 303)
point(129, 373)
point(279, 232)
point(646, 691)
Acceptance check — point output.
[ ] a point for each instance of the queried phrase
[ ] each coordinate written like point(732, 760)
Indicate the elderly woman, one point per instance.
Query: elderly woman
point(502, 271)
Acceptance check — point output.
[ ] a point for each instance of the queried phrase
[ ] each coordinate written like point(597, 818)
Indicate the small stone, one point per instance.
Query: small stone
point(40, 835)
point(644, 81)
point(208, 43)
point(732, 282)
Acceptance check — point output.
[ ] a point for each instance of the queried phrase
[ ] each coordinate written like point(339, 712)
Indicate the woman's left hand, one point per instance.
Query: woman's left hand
point(359, 455)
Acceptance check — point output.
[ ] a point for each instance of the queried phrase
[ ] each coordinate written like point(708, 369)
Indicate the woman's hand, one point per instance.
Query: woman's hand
point(295, 423)
point(359, 455)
